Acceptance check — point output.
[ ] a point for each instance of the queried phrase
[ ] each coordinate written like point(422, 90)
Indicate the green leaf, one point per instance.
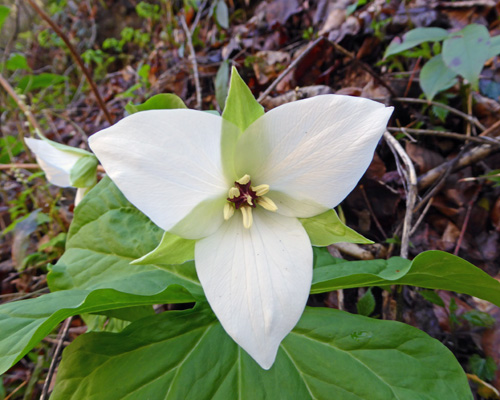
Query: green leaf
point(172, 250)
point(494, 46)
point(9, 146)
point(484, 368)
point(466, 51)
point(329, 355)
point(327, 228)
point(433, 297)
point(106, 235)
point(351, 274)
point(414, 38)
point(41, 81)
point(84, 172)
point(222, 14)
point(431, 270)
point(25, 323)
point(435, 77)
point(4, 13)
point(221, 83)
point(17, 62)
point(241, 107)
point(162, 101)
point(366, 304)
point(322, 257)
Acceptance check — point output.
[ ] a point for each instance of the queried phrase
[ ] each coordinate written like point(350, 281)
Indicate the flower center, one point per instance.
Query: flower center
point(243, 196)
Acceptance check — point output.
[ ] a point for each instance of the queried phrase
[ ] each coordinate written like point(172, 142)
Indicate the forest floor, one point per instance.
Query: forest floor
point(134, 50)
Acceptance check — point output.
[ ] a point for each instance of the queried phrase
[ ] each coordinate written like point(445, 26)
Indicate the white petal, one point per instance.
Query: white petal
point(257, 280)
point(312, 151)
point(55, 163)
point(167, 163)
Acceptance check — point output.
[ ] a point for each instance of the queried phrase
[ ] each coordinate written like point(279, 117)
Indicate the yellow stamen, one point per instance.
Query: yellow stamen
point(244, 180)
point(267, 203)
point(261, 189)
point(234, 192)
point(228, 211)
point(249, 201)
point(247, 217)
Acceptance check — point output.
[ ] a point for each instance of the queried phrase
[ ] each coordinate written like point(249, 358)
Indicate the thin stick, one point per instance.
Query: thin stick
point(368, 204)
point(53, 363)
point(76, 57)
point(450, 135)
point(446, 107)
point(364, 66)
point(421, 217)
point(292, 65)
point(491, 129)
point(29, 166)
point(468, 158)
point(24, 108)
point(411, 193)
point(16, 390)
point(193, 61)
point(198, 17)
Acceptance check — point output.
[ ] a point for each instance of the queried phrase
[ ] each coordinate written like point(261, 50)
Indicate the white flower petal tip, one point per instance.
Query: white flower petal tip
point(168, 164)
point(312, 152)
point(257, 280)
point(56, 164)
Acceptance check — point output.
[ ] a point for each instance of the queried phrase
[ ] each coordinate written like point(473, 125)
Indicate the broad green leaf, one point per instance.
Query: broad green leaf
point(494, 46)
point(162, 101)
point(241, 107)
point(366, 304)
point(172, 250)
point(222, 14)
point(17, 62)
point(466, 51)
point(322, 257)
point(4, 13)
point(329, 355)
point(106, 235)
point(435, 77)
point(351, 274)
point(25, 323)
point(84, 172)
point(431, 270)
point(41, 81)
point(414, 38)
point(327, 228)
point(221, 83)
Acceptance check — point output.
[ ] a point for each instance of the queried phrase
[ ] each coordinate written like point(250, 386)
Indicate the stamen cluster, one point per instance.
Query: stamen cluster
point(243, 196)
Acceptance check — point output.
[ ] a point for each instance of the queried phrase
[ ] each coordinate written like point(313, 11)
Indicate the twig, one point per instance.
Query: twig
point(450, 135)
point(198, 17)
point(466, 220)
point(446, 107)
point(353, 250)
point(468, 158)
point(368, 204)
point(411, 194)
point(76, 57)
point(421, 216)
point(24, 108)
point(292, 65)
point(193, 61)
point(100, 168)
point(16, 390)
point(53, 363)
point(491, 129)
point(363, 65)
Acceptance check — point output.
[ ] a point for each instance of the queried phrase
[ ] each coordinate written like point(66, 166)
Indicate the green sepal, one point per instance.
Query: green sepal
point(327, 228)
point(84, 172)
point(63, 147)
point(162, 101)
point(241, 108)
point(172, 250)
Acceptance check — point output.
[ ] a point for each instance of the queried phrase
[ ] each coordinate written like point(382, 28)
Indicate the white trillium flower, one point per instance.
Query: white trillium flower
point(253, 257)
point(59, 161)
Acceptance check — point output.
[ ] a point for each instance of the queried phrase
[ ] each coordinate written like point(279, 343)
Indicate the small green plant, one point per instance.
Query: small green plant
point(462, 53)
